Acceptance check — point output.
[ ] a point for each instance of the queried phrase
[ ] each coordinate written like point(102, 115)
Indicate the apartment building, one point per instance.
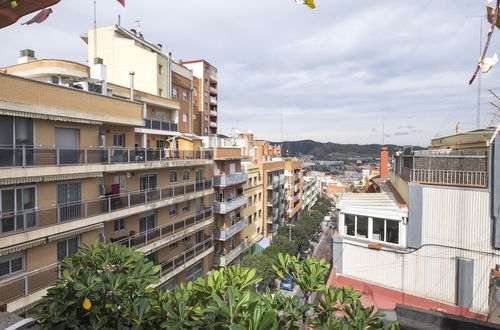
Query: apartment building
point(293, 174)
point(230, 200)
point(274, 197)
point(310, 192)
point(254, 190)
point(429, 238)
point(207, 94)
point(83, 159)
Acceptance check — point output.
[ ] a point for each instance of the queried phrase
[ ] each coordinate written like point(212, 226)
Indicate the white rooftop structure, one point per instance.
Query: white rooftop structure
point(371, 204)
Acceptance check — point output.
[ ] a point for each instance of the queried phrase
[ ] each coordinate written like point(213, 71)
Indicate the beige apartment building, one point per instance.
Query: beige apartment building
point(294, 198)
point(207, 91)
point(230, 200)
point(253, 210)
point(83, 160)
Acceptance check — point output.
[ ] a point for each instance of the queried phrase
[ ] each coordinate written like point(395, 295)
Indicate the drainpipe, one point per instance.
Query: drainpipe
point(191, 109)
point(131, 73)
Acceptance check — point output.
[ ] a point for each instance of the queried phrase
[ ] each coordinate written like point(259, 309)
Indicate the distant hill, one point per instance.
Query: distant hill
point(331, 150)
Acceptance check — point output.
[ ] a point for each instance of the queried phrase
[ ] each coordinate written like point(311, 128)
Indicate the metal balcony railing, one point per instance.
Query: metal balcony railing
point(231, 179)
point(225, 259)
point(42, 217)
point(178, 261)
point(450, 177)
point(32, 157)
point(160, 124)
point(230, 205)
point(213, 113)
point(224, 234)
point(155, 234)
point(26, 283)
point(213, 91)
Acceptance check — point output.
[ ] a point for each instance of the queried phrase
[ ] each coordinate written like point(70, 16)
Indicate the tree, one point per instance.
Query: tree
point(281, 244)
point(106, 286)
point(263, 264)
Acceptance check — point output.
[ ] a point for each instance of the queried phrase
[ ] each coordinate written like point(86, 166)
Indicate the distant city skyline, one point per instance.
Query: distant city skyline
point(336, 72)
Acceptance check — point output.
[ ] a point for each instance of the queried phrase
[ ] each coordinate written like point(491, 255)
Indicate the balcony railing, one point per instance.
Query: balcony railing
point(24, 284)
point(224, 234)
point(213, 113)
point(30, 157)
point(282, 179)
point(213, 101)
point(230, 205)
point(160, 124)
point(178, 261)
point(166, 231)
point(231, 179)
point(226, 259)
point(213, 91)
point(13, 223)
point(450, 177)
point(213, 124)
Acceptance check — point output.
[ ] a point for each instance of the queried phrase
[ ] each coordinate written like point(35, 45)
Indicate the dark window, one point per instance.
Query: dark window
point(119, 140)
point(362, 226)
point(349, 220)
point(67, 247)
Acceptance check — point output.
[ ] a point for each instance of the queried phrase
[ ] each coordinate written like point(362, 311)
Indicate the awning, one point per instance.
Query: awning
point(21, 247)
point(264, 242)
point(58, 177)
point(75, 232)
point(35, 115)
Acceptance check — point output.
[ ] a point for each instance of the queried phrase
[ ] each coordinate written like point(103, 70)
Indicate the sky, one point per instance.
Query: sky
point(347, 72)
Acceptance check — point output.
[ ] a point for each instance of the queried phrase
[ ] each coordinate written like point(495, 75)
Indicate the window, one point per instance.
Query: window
point(67, 247)
point(147, 223)
point(173, 210)
point(151, 257)
point(260, 197)
point(169, 285)
point(206, 118)
point(20, 200)
point(250, 218)
point(199, 174)
point(11, 263)
point(184, 118)
point(160, 69)
point(260, 214)
point(121, 180)
point(173, 177)
point(199, 236)
point(186, 239)
point(392, 230)
point(174, 93)
point(258, 230)
point(184, 96)
point(119, 225)
point(194, 272)
point(206, 81)
point(185, 207)
point(54, 80)
point(255, 215)
point(185, 175)
point(119, 140)
point(362, 226)
point(378, 229)
point(173, 245)
point(349, 224)
point(194, 116)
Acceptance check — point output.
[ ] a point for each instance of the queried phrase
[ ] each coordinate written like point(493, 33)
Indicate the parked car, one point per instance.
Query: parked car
point(287, 283)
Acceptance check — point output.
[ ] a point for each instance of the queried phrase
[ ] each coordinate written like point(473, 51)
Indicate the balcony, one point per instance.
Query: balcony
point(186, 259)
point(224, 234)
point(225, 259)
point(161, 125)
point(213, 91)
point(213, 78)
point(213, 101)
point(34, 157)
point(213, 113)
point(282, 179)
point(114, 206)
point(296, 198)
point(450, 177)
point(213, 124)
point(159, 236)
point(230, 205)
point(230, 180)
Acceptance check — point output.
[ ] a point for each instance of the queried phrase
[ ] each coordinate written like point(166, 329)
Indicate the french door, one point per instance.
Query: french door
point(69, 197)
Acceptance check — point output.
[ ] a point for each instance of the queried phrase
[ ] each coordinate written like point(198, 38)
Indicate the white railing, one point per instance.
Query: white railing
point(450, 177)
point(224, 234)
point(231, 179)
point(228, 206)
point(225, 259)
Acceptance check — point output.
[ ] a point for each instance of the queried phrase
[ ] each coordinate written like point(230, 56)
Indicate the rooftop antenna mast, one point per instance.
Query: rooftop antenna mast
point(383, 131)
point(95, 30)
point(281, 128)
point(478, 106)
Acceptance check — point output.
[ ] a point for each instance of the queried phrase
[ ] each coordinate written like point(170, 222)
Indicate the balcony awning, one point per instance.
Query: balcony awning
point(21, 247)
point(75, 232)
point(264, 242)
point(47, 178)
point(35, 115)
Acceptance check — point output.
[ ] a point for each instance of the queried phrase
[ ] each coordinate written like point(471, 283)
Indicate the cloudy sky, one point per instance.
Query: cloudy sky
point(335, 73)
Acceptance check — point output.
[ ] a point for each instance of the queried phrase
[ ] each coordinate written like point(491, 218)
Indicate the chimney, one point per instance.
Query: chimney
point(384, 161)
point(26, 55)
